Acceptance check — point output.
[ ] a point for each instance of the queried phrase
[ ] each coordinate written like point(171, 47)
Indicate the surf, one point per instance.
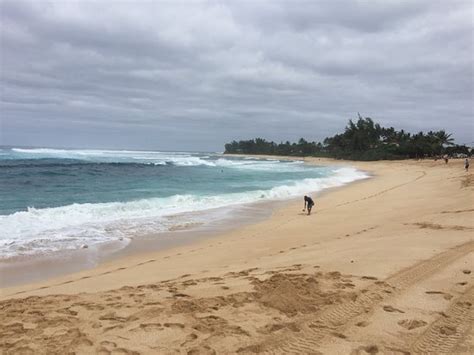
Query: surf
point(54, 199)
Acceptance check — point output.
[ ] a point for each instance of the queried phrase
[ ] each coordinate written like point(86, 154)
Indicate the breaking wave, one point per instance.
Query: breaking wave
point(68, 227)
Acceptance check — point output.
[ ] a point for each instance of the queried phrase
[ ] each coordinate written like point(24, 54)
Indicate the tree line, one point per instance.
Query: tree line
point(361, 140)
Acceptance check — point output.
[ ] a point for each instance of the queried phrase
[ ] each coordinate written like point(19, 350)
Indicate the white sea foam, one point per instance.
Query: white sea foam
point(261, 165)
point(159, 158)
point(115, 156)
point(68, 227)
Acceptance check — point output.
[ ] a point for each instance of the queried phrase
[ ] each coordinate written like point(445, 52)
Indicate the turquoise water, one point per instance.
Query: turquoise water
point(53, 199)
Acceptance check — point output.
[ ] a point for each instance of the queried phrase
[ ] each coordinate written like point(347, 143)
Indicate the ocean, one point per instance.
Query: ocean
point(53, 200)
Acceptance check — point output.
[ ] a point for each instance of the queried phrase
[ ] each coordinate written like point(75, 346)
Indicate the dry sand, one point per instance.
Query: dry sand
point(384, 265)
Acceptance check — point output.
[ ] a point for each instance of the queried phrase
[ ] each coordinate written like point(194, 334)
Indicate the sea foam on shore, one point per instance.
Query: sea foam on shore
point(63, 199)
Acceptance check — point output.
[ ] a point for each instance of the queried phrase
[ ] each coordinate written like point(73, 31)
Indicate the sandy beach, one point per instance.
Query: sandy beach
point(383, 265)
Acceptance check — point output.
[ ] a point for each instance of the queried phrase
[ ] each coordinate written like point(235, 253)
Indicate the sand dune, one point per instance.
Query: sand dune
point(382, 266)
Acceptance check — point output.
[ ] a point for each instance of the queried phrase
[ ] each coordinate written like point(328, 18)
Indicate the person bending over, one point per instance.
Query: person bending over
point(308, 203)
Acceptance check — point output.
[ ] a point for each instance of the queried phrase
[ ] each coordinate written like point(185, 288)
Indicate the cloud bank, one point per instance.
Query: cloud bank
point(193, 75)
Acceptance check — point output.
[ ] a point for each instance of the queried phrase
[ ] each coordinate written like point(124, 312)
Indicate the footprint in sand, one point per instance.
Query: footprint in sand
point(442, 314)
point(123, 351)
point(174, 325)
point(411, 323)
point(201, 350)
point(392, 309)
point(148, 327)
point(369, 349)
point(446, 296)
point(189, 338)
point(447, 330)
point(119, 326)
point(339, 335)
point(271, 328)
point(145, 262)
point(434, 292)
point(108, 344)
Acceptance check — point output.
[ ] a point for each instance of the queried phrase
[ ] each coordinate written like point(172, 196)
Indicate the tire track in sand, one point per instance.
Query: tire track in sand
point(448, 331)
point(334, 320)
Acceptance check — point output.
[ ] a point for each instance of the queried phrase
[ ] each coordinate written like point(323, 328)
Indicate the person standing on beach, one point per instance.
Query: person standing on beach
point(308, 201)
point(466, 164)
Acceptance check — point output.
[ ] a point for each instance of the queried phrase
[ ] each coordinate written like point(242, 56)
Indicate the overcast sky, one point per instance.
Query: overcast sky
point(193, 75)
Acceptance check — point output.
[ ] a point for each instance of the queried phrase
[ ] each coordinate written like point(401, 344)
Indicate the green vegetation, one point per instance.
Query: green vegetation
point(362, 140)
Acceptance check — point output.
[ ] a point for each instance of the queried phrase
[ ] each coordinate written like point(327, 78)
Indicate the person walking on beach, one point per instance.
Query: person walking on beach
point(308, 203)
point(466, 164)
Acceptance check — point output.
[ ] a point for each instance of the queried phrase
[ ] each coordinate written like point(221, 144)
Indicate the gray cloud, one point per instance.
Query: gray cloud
point(193, 75)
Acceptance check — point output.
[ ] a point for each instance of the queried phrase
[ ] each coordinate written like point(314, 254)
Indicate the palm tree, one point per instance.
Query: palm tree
point(444, 138)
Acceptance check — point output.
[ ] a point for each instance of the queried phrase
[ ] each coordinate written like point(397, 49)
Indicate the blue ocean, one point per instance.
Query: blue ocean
point(57, 199)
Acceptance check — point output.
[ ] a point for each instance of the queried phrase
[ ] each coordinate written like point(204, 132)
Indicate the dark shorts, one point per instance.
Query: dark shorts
point(310, 205)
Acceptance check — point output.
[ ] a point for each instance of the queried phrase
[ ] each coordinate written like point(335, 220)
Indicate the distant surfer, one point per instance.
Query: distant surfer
point(308, 203)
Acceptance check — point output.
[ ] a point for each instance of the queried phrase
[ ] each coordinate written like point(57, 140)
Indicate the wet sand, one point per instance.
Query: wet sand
point(384, 265)
point(30, 269)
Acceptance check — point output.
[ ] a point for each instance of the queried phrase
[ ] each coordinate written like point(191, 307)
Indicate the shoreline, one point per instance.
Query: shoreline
point(42, 268)
point(142, 247)
point(397, 249)
point(123, 257)
point(33, 269)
